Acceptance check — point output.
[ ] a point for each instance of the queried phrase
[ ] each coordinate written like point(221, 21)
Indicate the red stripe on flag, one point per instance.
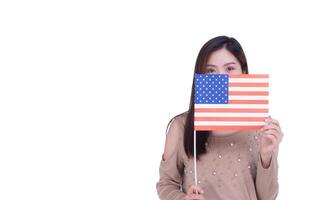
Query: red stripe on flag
point(230, 84)
point(248, 75)
point(223, 128)
point(248, 101)
point(248, 93)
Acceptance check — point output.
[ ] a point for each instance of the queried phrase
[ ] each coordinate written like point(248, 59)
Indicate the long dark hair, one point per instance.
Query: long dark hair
point(233, 46)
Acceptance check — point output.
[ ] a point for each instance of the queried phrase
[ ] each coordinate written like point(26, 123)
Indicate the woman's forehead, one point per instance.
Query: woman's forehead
point(221, 57)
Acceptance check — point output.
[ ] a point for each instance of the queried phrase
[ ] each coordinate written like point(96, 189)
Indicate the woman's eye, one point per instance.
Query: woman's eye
point(230, 68)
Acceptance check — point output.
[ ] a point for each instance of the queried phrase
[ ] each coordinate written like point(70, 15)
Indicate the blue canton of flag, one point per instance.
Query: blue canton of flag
point(211, 88)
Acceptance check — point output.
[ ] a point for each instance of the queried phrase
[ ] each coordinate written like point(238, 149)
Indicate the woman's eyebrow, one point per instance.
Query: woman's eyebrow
point(211, 65)
point(229, 63)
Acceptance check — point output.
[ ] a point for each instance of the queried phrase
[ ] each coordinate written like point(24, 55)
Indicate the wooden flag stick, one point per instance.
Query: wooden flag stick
point(195, 159)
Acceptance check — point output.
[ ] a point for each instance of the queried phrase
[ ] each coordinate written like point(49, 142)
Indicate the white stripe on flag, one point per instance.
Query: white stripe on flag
point(248, 80)
point(229, 114)
point(248, 89)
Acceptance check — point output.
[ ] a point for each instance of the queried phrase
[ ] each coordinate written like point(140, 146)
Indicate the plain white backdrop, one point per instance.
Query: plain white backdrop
point(87, 89)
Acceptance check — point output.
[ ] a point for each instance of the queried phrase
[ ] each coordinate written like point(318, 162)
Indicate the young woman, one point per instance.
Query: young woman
point(230, 164)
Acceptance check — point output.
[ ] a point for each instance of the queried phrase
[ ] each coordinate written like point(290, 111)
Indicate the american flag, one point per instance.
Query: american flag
point(230, 101)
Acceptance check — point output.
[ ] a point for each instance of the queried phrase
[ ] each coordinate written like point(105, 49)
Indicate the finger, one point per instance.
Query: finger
point(273, 129)
point(270, 126)
point(195, 190)
point(272, 138)
point(278, 133)
point(196, 197)
point(191, 189)
point(273, 133)
point(273, 121)
point(198, 190)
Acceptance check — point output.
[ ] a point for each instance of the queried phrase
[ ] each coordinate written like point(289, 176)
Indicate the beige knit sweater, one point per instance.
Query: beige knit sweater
point(231, 168)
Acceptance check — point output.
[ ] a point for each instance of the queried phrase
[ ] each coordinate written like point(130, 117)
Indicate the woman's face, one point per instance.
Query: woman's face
point(222, 62)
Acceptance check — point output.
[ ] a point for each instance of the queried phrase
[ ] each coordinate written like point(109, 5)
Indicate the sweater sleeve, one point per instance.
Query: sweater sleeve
point(267, 179)
point(171, 168)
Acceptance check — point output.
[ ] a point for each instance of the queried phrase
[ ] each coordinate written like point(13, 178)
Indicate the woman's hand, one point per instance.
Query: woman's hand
point(271, 136)
point(195, 193)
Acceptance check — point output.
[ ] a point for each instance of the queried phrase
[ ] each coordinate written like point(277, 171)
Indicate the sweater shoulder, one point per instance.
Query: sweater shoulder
point(174, 135)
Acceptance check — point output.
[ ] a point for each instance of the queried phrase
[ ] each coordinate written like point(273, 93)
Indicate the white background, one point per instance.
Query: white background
point(87, 89)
